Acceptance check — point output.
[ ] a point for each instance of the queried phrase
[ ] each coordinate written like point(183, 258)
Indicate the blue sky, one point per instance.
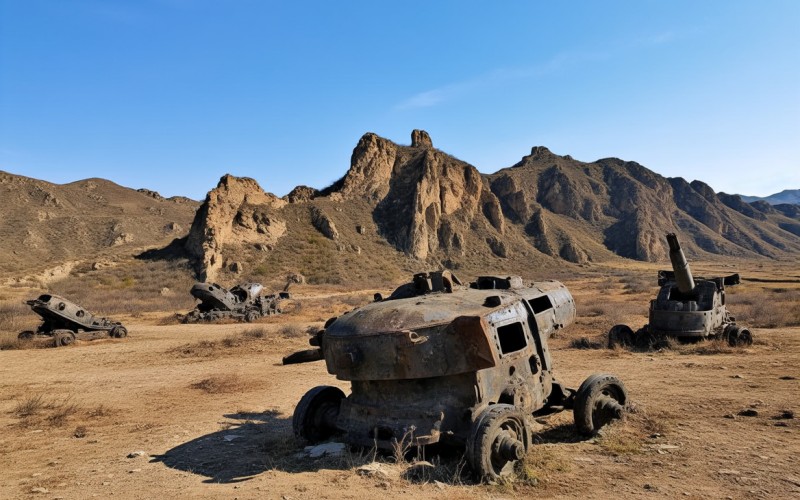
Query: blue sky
point(172, 94)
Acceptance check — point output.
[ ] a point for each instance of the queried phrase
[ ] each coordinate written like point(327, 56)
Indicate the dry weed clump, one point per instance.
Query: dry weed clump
point(224, 383)
point(766, 307)
point(131, 287)
point(541, 464)
point(15, 316)
point(37, 410)
point(586, 343)
point(630, 435)
point(213, 348)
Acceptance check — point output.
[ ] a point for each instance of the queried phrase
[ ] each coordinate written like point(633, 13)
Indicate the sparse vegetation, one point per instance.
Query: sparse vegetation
point(40, 410)
point(223, 384)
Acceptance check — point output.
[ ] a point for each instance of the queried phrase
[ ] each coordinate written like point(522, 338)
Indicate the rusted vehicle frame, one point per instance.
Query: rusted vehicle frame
point(441, 362)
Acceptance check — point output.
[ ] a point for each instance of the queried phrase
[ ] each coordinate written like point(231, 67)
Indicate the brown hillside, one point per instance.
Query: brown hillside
point(399, 208)
point(50, 226)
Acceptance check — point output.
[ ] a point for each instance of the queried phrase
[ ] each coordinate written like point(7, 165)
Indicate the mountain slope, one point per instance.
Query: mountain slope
point(401, 208)
point(45, 225)
point(788, 196)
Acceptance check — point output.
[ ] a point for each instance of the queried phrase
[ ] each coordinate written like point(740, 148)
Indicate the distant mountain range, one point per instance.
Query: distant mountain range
point(791, 196)
point(398, 209)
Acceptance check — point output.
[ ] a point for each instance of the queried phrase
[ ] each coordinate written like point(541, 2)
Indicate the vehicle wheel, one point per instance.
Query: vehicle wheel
point(314, 419)
point(251, 316)
point(600, 399)
point(499, 439)
point(620, 335)
point(119, 332)
point(63, 338)
point(26, 335)
point(644, 339)
point(738, 336)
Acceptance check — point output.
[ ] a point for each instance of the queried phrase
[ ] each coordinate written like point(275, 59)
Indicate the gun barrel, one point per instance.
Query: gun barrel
point(683, 274)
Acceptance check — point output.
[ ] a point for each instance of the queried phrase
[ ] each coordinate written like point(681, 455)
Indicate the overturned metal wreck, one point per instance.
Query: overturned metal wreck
point(687, 308)
point(65, 321)
point(438, 362)
point(242, 302)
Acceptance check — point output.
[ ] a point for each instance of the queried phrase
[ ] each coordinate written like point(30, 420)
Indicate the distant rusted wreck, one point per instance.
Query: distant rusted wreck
point(65, 321)
point(440, 362)
point(687, 308)
point(241, 303)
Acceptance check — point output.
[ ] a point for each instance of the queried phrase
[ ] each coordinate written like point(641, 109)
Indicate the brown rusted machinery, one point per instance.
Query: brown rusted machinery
point(65, 321)
point(242, 302)
point(439, 362)
point(687, 308)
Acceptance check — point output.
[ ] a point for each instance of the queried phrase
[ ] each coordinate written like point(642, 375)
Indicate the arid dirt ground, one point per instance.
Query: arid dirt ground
point(209, 407)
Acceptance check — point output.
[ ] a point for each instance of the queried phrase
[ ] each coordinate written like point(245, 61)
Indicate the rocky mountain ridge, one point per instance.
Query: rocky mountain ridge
point(46, 225)
point(439, 210)
point(787, 196)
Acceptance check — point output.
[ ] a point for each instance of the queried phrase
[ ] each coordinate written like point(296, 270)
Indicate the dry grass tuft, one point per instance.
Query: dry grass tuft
point(223, 384)
point(585, 343)
point(541, 464)
point(292, 330)
point(37, 410)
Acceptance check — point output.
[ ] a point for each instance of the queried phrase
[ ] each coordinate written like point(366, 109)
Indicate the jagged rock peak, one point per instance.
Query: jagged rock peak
point(540, 152)
point(420, 139)
point(236, 211)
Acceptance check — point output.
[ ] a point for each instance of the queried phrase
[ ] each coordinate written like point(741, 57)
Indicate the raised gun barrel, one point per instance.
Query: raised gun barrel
point(683, 275)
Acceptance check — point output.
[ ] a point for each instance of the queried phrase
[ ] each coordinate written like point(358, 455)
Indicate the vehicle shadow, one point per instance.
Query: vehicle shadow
point(252, 443)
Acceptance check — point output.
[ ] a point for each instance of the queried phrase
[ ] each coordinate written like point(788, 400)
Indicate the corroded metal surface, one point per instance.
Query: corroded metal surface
point(425, 362)
point(242, 302)
point(687, 307)
point(63, 317)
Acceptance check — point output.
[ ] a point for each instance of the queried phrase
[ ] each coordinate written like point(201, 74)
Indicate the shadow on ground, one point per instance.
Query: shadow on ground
point(251, 444)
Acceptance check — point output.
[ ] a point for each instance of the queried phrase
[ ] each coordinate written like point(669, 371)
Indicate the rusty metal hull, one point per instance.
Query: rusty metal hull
point(423, 368)
point(59, 313)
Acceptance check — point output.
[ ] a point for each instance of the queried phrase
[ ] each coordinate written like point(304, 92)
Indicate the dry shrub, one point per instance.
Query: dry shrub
point(30, 407)
point(255, 333)
point(585, 343)
point(100, 410)
point(766, 308)
point(80, 432)
point(38, 410)
point(222, 384)
point(292, 331)
point(541, 464)
point(628, 436)
point(15, 316)
point(711, 346)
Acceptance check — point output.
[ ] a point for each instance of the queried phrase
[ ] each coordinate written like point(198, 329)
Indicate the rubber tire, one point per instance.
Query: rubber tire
point(644, 339)
point(482, 438)
point(251, 316)
point(63, 339)
point(305, 421)
point(119, 332)
point(745, 336)
point(26, 335)
point(620, 335)
point(586, 421)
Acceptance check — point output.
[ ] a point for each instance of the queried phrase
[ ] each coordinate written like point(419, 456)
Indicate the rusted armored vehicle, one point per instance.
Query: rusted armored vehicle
point(65, 321)
point(687, 308)
point(439, 362)
point(242, 302)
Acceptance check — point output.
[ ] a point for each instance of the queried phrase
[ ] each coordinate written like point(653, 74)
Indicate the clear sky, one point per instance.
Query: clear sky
point(172, 94)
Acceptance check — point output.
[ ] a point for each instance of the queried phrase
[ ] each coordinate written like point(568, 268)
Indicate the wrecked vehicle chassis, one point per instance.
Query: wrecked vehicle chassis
point(466, 367)
point(241, 303)
point(64, 322)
